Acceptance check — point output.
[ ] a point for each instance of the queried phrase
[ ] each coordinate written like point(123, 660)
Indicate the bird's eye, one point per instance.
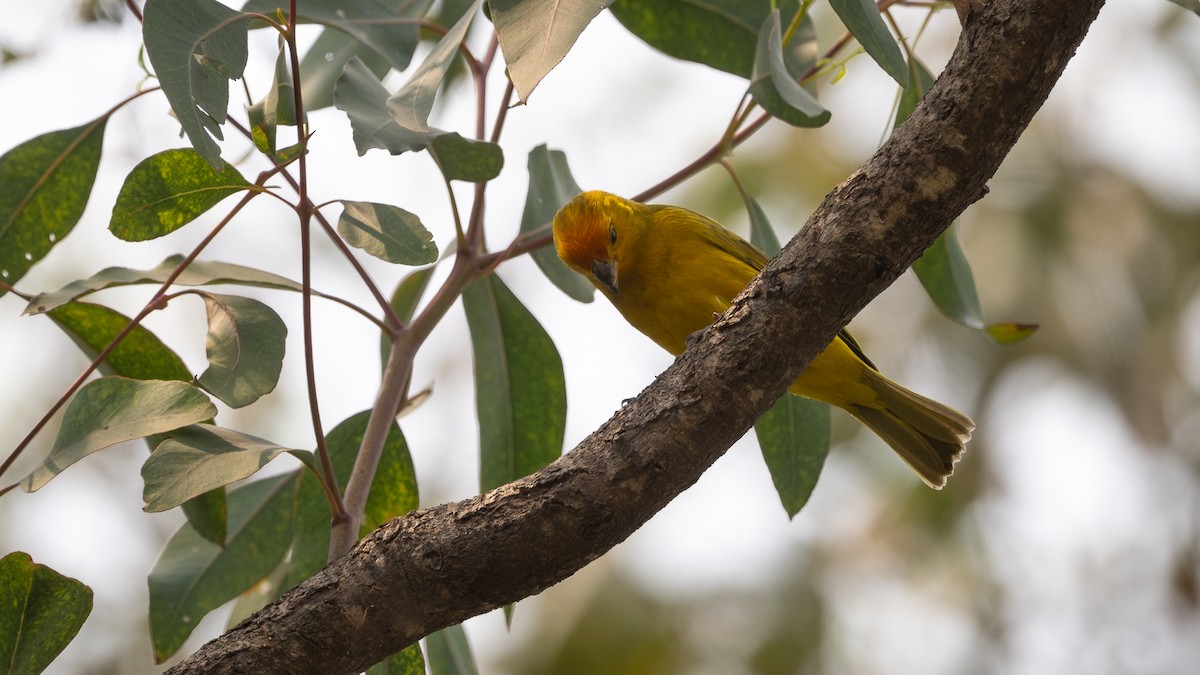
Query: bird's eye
point(612, 234)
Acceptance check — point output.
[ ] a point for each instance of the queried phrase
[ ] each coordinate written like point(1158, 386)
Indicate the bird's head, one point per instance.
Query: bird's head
point(589, 233)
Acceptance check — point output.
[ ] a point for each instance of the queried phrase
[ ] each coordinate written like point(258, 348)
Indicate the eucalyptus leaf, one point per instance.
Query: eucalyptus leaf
point(387, 232)
point(721, 34)
point(449, 652)
point(411, 105)
point(461, 158)
point(110, 410)
point(199, 458)
point(278, 107)
point(168, 190)
point(536, 34)
point(922, 81)
point(551, 185)
point(40, 613)
point(45, 184)
point(793, 434)
point(408, 661)
point(194, 576)
point(404, 303)
point(863, 20)
point(773, 87)
point(245, 346)
point(520, 391)
point(196, 48)
point(198, 273)
point(140, 356)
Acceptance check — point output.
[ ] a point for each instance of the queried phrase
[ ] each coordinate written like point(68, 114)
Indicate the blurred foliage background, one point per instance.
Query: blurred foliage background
point(1069, 540)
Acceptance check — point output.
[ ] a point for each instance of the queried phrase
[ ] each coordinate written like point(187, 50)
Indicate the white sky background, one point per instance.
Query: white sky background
point(626, 117)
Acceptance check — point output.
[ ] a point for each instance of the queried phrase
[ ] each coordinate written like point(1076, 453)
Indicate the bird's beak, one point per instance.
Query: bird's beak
point(605, 272)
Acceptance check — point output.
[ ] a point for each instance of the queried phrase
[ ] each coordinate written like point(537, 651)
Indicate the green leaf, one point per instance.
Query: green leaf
point(166, 191)
point(140, 356)
point(41, 611)
point(536, 34)
point(404, 303)
point(245, 346)
point(277, 107)
point(551, 185)
point(387, 232)
point(520, 391)
point(464, 159)
point(794, 438)
point(946, 275)
point(196, 48)
point(794, 433)
point(110, 410)
point(722, 34)
point(259, 595)
point(773, 87)
point(199, 273)
point(208, 514)
point(393, 493)
point(193, 576)
point(411, 105)
point(1190, 5)
point(864, 22)
point(363, 98)
point(922, 81)
point(45, 183)
point(199, 458)
point(408, 661)
point(450, 653)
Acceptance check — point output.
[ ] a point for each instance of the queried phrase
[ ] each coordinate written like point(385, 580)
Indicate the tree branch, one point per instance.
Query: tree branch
point(439, 566)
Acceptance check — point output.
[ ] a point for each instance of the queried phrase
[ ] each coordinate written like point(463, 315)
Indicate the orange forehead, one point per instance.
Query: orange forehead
point(581, 231)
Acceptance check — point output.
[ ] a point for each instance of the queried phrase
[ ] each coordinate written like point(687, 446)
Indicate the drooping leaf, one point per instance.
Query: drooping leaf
point(411, 105)
point(364, 99)
point(45, 183)
point(140, 356)
point(520, 391)
point(794, 438)
point(922, 81)
point(464, 159)
point(794, 433)
point(208, 514)
point(864, 22)
point(551, 185)
point(278, 107)
point(196, 48)
point(110, 410)
point(536, 34)
point(245, 346)
point(946, 275)
point(199, 458)
point(393, 493)
point(722, 34)
point(199, 273)
point(193, 576)
point(408, 661)
point(166, 191)
point(41, 611)
point(450, 653)
point(404, 303)
point(387, 232)
point(261, 594)
point(773, 87)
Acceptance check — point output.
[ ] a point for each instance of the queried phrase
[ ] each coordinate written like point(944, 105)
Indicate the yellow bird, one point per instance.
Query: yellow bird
point(669, 271)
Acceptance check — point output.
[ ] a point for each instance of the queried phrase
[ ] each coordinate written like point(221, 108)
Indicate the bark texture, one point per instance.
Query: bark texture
point(441, 565)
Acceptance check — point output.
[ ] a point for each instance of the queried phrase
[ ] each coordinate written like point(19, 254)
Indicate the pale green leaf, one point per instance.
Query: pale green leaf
point(864, 22)
point(450, 653)
point(196, 48)
point(245, 346)
point(110, 410)
point(387, 232)
point(773, 87)
point(199, 458)
point(411, 105)
point(536, 34)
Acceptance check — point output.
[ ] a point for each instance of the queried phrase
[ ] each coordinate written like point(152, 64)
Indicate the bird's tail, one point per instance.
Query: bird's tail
point(927, 435)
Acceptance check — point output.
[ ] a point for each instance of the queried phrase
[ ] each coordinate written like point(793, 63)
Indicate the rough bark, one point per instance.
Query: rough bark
point(441, 565)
